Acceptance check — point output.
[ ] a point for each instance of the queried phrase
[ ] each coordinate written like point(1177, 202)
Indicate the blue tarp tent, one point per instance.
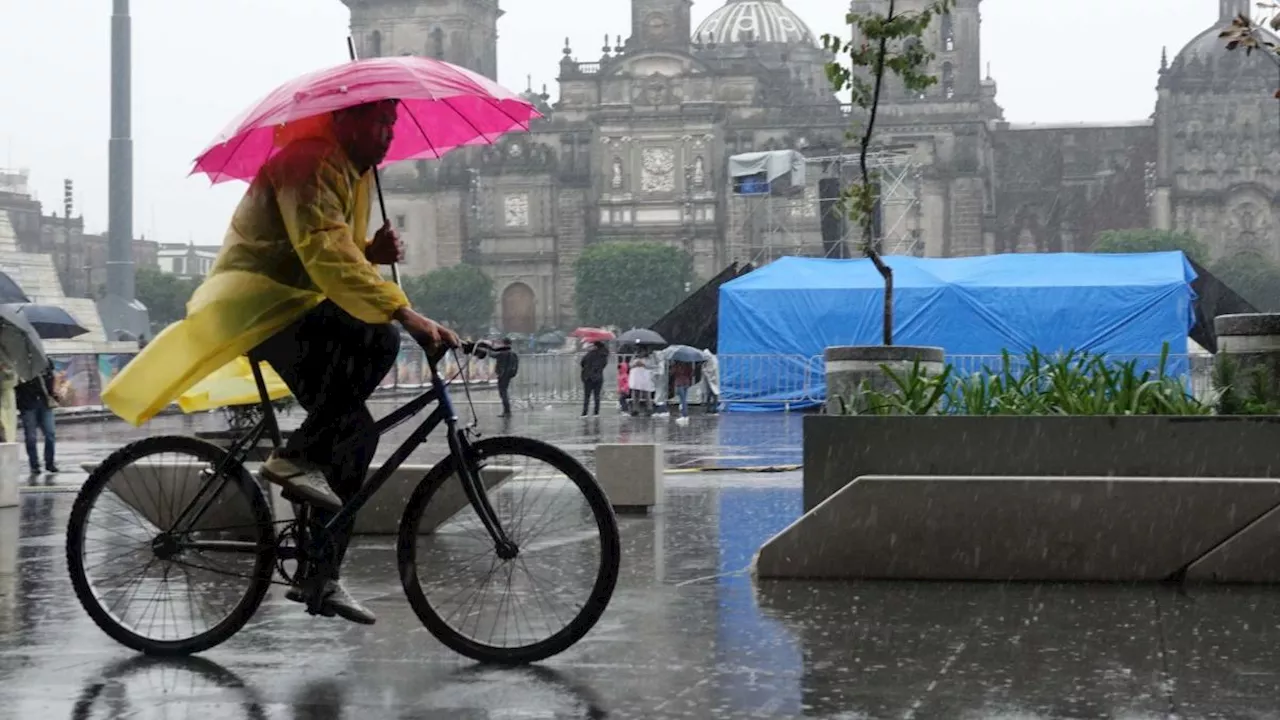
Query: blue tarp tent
point(779, 317)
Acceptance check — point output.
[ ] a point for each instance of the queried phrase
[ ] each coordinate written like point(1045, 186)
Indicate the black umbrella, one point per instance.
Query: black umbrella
point(10, 291)
point(641, 336)
point(50, 322)
point(20, 345)
point(684, 353)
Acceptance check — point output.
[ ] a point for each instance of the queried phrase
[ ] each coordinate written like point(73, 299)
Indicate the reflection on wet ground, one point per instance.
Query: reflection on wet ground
point(687, 636)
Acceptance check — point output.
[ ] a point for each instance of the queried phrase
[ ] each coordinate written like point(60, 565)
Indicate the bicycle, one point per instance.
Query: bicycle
point(189, 516)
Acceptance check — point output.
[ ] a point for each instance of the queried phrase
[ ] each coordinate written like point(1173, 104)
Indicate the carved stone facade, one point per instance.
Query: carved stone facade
point(1218, 133)
point(636, 148)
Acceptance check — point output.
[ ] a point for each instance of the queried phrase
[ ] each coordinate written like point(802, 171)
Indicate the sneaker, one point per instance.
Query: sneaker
point(301, 481)
point(35, 469)
point(51, 468)
point(338, 602)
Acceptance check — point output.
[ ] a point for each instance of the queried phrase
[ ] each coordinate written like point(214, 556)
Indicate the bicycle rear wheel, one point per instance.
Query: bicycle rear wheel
point(447, 558)
point(150, 585)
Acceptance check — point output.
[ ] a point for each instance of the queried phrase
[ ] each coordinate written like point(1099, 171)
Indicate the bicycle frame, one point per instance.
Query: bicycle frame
point(443, 413)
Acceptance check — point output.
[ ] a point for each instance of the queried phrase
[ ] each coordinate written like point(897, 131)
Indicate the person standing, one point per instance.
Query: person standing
point(36, 399)
point(624, 385)
point(506, 367)
point(682, 378)
point(593, 365)
point(711, 377)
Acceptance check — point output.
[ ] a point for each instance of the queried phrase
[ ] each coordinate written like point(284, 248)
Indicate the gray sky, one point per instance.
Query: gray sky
point(197, 64)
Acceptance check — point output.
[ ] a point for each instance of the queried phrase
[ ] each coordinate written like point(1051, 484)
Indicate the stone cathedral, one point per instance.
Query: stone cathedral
point(635, 147)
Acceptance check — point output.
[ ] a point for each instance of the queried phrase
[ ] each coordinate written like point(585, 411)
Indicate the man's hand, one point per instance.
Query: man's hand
point(431, 335)
point(385, 248)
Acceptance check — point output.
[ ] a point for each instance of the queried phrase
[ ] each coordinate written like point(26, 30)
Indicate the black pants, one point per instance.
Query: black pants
point(591, 388)
point(503, 384)
point(333, 362)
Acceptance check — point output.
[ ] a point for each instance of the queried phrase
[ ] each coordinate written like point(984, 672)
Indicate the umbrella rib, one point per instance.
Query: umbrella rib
point(222, 170)
point(418, 125)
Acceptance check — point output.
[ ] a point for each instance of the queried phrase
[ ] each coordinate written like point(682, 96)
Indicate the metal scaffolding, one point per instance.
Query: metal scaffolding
point(774, 226)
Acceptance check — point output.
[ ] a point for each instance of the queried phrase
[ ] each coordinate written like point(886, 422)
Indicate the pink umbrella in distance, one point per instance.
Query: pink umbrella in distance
point(442, 107)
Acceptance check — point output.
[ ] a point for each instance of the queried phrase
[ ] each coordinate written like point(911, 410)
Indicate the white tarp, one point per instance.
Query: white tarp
point(774, 164)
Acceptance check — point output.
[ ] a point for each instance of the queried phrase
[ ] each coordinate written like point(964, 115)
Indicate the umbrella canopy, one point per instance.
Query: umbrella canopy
point(442, 107)
point(11, 291)
point(641, 336)
point(684, 353)
point(232, 384)
point(50, 322)
point(590, 334)
point(20, 346)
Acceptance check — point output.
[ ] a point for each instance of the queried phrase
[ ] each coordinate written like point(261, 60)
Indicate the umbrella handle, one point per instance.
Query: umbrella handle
point(377, 181)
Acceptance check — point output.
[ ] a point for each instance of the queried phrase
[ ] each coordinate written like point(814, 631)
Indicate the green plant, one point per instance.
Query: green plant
point(891, 41)
point(1240, 391)
point(1072, 383)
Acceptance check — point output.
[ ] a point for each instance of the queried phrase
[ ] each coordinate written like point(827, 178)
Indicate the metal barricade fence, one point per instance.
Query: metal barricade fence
point(549, 378)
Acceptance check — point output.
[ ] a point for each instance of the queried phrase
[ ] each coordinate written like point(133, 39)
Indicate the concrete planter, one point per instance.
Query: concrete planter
point(1119, 499)
point(1251, 341)
point(848, 366)
point(839, 449)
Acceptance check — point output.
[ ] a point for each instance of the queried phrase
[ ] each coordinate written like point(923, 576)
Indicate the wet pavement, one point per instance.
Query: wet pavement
point(688, 634)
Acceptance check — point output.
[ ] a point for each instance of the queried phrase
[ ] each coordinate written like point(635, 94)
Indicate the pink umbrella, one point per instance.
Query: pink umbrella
point(442, 107)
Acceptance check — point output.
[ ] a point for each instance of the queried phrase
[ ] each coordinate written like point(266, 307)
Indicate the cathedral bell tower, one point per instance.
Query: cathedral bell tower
point(462, 32)
point(660, 25)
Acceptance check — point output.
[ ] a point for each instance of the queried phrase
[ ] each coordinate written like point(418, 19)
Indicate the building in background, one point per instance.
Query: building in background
point(186, 261)
point(79, 258)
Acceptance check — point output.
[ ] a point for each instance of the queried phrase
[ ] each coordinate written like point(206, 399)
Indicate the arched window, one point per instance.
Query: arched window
point(436, 50)
point(948, 81)
point(948, 33)
point(375, 44)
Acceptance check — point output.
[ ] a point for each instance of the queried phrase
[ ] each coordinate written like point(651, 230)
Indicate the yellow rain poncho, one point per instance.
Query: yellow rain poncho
point(232, 384)
point(297, 237)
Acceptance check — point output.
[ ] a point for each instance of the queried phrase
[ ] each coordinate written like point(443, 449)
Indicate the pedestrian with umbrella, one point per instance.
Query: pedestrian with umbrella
point(593, 365)
point(23, 358)
point(50, 321)
point(298, 285)
point(683, 359)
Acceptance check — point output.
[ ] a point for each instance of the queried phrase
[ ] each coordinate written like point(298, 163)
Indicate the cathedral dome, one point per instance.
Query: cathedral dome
point(761, 21)
point(1206, 50)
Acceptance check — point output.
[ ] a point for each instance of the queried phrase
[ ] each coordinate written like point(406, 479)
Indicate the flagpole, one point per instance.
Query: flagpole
point(377, 181)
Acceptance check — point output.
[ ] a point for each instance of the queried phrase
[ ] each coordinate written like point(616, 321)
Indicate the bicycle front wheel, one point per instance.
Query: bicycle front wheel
point(550, 594)
point(155, 576)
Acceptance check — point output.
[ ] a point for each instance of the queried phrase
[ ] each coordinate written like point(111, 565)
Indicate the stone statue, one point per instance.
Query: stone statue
point(699, 172)
point(616, 181)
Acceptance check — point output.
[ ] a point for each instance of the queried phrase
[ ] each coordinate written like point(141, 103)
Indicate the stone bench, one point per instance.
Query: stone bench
point(380, 516)
point(631, 475)
point(1034, 529)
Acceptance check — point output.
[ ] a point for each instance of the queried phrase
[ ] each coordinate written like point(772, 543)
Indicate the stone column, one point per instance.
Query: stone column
point(848, 366)
point(1251, 342)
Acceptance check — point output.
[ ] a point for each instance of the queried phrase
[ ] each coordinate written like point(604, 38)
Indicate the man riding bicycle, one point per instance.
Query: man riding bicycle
point(296, 284)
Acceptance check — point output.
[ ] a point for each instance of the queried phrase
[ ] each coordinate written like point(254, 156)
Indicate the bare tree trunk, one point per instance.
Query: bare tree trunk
point(871, 244)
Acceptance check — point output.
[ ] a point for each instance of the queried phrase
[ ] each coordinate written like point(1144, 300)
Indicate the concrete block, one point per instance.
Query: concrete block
point(160, 492)
point(631, 475)
point(12, 468)
point(1251, 555)
point(382, 514)
point(839, 449)
point(1015, 528)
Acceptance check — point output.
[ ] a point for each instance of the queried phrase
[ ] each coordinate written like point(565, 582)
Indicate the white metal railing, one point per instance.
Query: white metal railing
point(785, 381)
